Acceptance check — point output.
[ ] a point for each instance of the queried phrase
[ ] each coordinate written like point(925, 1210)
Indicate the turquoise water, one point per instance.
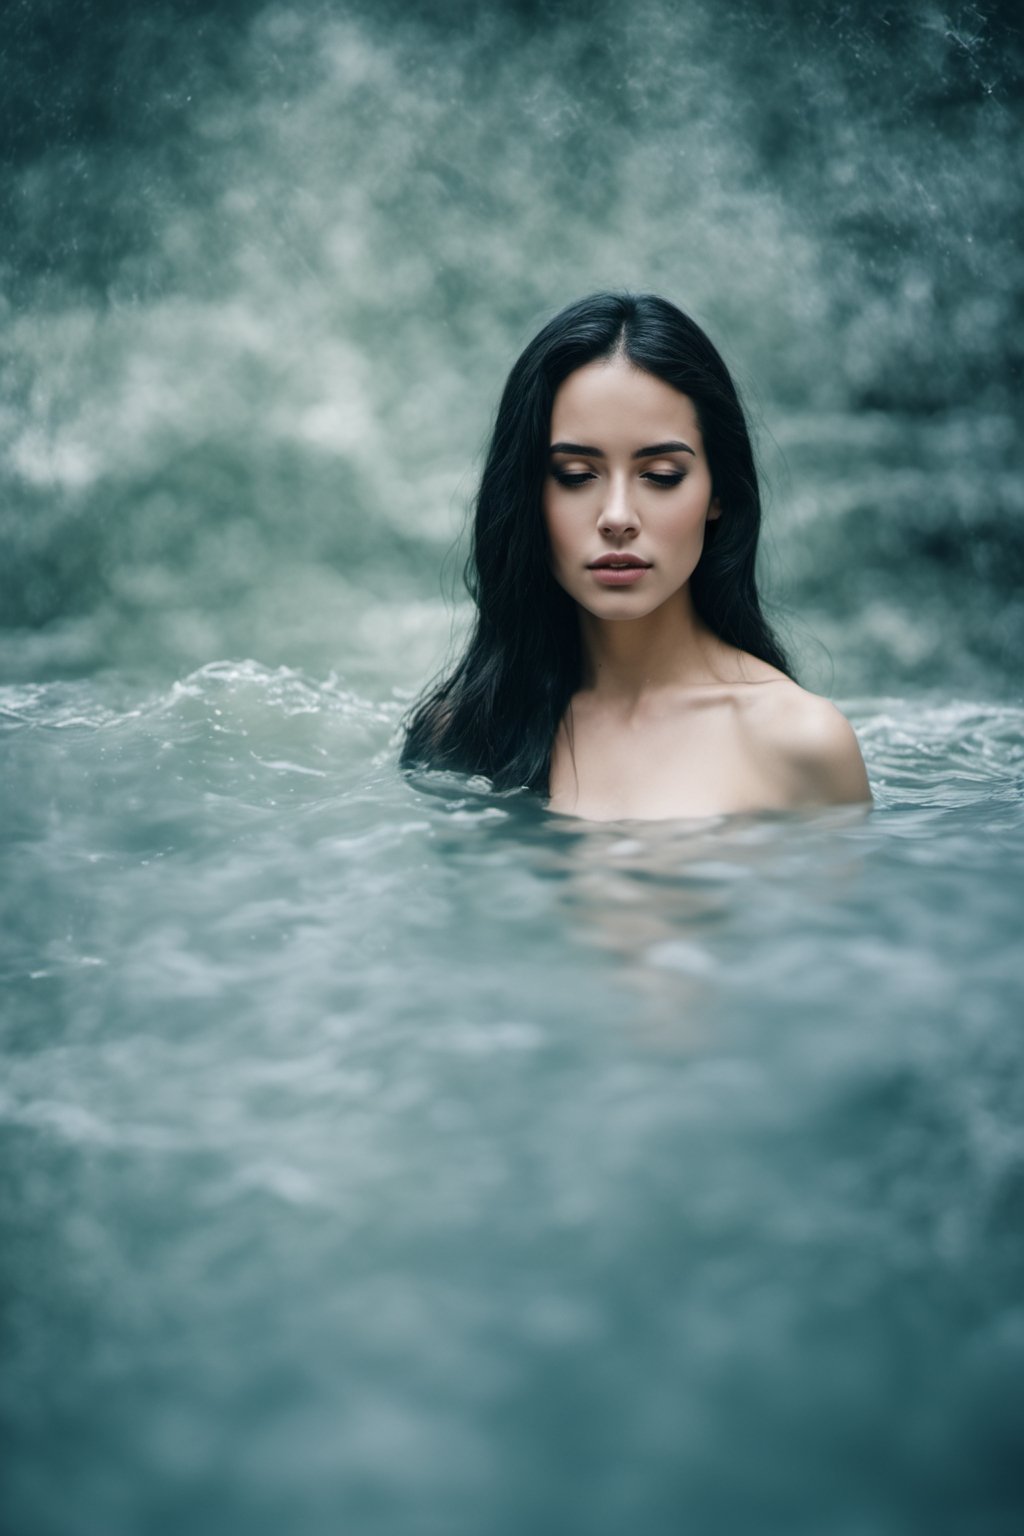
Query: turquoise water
point(396, 1159)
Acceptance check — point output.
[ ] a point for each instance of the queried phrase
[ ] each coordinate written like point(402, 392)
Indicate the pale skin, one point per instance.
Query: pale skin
point(670, 721)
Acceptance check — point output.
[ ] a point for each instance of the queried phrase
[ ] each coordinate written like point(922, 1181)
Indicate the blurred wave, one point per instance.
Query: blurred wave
point(918, 751)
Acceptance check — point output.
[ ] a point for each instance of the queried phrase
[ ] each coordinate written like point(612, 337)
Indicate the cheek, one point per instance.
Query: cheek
point(691, 515)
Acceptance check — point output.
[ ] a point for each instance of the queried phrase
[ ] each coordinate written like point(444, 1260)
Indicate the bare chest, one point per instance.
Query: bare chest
point(702, 761)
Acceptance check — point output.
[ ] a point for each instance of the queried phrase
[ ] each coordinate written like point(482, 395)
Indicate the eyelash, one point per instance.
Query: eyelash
point(665, 482)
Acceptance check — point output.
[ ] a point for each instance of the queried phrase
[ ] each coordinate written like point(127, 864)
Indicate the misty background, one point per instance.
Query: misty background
point(265, 267)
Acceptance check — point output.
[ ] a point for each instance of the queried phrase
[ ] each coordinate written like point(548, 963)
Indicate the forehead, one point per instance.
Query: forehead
point(610, 401)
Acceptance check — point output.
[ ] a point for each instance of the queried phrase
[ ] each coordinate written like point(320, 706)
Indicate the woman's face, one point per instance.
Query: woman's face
point(628, 478)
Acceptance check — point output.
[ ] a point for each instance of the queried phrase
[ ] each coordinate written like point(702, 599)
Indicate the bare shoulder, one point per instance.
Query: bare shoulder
point(812, 741)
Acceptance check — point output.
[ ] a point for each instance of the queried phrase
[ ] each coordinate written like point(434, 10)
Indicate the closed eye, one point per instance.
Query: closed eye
point(567, 479)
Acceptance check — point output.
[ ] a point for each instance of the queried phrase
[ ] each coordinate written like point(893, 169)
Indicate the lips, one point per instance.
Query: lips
point(618, 563)
point(619, 575)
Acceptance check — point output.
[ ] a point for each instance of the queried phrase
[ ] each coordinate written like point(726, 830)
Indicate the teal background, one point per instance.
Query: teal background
point(267, 266)
point(394, 1158)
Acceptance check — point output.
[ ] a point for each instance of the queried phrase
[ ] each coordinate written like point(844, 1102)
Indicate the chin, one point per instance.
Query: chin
point(619, 610)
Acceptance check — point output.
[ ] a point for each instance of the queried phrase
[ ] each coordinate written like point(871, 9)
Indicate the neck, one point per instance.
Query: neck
point(626, 660)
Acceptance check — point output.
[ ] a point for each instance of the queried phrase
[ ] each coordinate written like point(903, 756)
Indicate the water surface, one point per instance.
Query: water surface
point(398, 1157)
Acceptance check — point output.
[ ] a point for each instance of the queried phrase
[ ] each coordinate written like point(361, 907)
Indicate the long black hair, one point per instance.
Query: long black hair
point(498, 711)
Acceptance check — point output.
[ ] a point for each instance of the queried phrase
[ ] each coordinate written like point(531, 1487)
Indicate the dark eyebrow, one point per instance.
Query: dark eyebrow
point(580, 449)
point(656, 448)
point(651, 452)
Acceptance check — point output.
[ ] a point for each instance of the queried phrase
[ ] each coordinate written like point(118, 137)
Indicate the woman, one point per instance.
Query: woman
point(620, 663)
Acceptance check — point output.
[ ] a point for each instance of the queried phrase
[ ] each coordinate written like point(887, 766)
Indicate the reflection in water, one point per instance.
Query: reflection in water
point(669, 901)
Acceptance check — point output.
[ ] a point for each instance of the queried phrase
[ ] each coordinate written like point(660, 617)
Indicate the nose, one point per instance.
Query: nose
point(617, 515)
